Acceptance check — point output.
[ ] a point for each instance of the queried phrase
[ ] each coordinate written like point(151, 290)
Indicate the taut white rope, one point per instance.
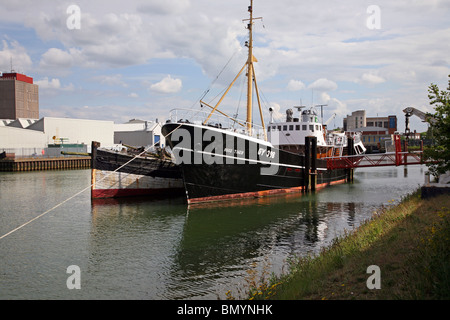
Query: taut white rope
point(87, 188)
point(80, 192)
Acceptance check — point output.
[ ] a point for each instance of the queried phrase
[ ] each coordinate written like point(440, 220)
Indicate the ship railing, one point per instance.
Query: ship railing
point(336, 140)
point(198, 117)
point(357, 138)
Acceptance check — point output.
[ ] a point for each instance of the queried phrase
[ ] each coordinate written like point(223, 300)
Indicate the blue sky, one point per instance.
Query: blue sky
point(139, 59)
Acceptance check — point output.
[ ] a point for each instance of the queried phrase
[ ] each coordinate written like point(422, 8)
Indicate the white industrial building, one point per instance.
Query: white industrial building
point(21, 132)
point(139, 133)
point(22, 123)
point(5, 122)
point(75, 131)
point(26, 135)
point(18, 138)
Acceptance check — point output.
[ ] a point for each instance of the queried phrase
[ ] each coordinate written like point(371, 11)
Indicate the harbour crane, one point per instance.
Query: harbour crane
point(330, 119)
point(410, 111)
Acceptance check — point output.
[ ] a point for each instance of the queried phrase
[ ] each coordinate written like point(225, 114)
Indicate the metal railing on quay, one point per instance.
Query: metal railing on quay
point(42, 153)
point(375, 160)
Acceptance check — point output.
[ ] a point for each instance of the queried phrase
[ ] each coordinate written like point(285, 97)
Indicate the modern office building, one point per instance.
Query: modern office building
point(358, 120)
point(354, 121)
point(375, 130)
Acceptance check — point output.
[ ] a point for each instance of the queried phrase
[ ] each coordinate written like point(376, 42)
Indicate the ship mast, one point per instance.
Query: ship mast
point(250, 79)
point(251, 75)
point(250, 70)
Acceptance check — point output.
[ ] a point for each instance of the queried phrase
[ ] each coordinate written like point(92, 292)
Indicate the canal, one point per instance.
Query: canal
point(163, 249)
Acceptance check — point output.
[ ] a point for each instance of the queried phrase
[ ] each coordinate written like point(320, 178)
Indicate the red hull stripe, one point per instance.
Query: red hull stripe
point(259, 194)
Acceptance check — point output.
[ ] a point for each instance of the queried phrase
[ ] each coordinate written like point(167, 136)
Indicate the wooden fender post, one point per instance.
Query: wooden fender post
point(313, 173)
point(307, 163)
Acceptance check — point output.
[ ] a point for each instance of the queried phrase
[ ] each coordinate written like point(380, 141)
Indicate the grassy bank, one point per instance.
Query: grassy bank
point(409, 242)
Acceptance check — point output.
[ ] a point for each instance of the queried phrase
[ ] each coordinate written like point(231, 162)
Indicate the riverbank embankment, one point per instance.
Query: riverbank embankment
point(402, 252)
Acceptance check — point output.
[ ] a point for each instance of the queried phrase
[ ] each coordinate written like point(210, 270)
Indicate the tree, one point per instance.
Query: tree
point(440, 152)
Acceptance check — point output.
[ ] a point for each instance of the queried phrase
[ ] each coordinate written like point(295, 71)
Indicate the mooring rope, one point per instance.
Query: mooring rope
point(83, 190)
point(92, 184)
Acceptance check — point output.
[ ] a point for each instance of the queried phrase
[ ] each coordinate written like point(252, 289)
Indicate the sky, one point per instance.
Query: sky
point(138, 59)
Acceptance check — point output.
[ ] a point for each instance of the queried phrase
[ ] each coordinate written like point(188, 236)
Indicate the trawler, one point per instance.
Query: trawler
point(222, 157)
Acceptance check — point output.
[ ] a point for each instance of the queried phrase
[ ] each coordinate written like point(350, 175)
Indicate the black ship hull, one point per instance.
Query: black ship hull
point(218, 165)
point(141, 176)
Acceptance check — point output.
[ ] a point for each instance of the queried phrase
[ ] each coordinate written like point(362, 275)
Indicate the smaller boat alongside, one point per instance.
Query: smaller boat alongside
point(290, 135)
point(126, 171)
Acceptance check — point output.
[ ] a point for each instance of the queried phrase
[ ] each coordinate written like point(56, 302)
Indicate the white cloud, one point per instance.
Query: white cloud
point(119, 114)
point(338, 107)
point(13, 51)
point(295, 85)
point(164, 7)
point(371, 78)
point(324, 98)
point(113, 80)
point(56, 58)
point(53, 84)
point(333, 105)
point(332, 42)
point(323, 84)
point(277, 115)
point(167, 85)
point(133, 32)
point(46, 84)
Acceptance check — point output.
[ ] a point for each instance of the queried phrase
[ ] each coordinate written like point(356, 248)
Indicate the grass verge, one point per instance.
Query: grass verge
point(409, 242)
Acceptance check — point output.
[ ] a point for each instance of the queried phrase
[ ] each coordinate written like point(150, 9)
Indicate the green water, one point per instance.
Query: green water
point(163, 249)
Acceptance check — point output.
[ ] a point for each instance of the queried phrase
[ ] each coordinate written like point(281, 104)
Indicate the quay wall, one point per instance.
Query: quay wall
point(36, 164)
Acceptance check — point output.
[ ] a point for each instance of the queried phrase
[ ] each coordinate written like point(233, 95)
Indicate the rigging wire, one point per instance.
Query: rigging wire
point(208, 89)
point(267, 106)
point(217, 78)
point(84, 189)
point(122, 166)
point(239, 103)
point(125, 164)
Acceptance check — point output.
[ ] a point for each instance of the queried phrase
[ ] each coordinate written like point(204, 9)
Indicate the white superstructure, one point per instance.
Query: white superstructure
point(290, 135)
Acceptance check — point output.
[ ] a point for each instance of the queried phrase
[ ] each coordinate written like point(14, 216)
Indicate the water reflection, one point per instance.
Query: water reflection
point(132, 244)
point(195, 251)
point(226, 242)
point(201, 251)
point(163, 249)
